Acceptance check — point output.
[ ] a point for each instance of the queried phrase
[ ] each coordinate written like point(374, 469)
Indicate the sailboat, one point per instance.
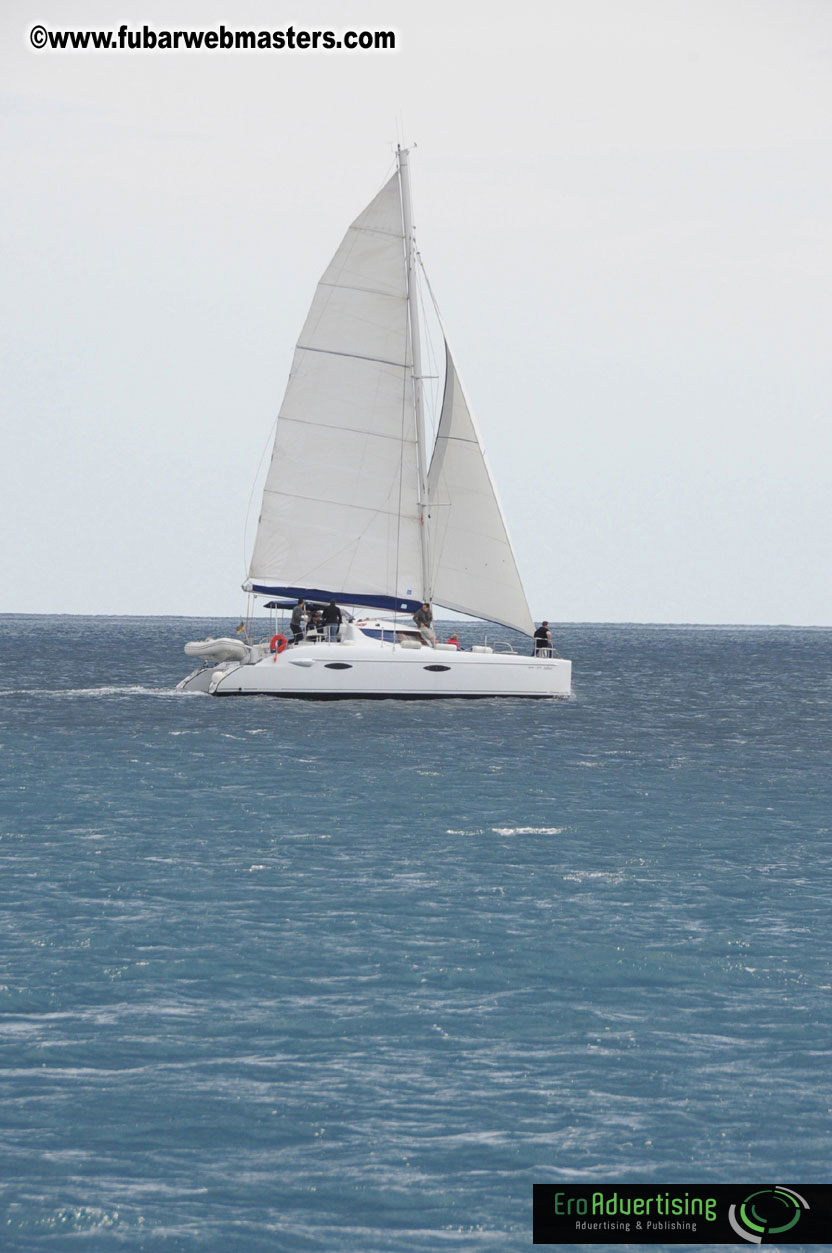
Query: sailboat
point(358, 513)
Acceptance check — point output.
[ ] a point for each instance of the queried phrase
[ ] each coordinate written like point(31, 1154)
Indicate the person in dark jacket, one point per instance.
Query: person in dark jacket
point(543, 641)
point(424, 621)
point(332, 621)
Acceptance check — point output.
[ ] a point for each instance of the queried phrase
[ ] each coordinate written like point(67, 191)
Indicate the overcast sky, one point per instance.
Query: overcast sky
point(624, 206)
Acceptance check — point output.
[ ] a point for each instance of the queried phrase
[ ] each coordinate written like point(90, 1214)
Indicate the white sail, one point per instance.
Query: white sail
point(473, 566)
point(339, 506)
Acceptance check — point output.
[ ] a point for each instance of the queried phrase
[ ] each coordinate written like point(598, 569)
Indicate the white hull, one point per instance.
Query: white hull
point(373, 669)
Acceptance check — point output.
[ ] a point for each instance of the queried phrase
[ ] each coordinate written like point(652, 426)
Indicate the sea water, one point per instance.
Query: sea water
point(355, 976)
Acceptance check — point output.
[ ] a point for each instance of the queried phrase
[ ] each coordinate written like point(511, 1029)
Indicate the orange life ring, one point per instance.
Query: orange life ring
point(277, 644)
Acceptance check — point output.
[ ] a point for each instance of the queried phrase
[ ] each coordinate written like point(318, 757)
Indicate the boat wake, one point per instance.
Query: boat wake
point(111, 690)
point(527, 830)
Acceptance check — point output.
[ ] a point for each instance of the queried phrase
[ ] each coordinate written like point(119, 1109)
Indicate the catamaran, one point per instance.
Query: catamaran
point(357, 511)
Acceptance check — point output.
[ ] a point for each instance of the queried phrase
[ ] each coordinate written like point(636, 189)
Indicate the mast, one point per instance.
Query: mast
point(416, 358)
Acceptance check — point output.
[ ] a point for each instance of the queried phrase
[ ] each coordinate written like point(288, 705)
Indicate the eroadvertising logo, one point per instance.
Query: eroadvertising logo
point(768, 1214)
point(682, 1214)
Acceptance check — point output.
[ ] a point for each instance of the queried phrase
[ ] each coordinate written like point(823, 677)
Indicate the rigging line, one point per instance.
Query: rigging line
point(439, 400)
point(434, 301)
point(433, 363)
point(407, 349)
point(389, 172)
point(416, 371)
point(269, 439)
point(401, 459)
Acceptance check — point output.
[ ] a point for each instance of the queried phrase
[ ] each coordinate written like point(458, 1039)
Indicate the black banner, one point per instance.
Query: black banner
point(676, 1213)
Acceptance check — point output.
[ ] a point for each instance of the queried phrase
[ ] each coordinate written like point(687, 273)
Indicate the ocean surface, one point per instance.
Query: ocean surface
point(355, 976)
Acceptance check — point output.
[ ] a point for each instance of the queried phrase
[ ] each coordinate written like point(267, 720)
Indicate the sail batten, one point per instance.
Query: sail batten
point(333, 352)
point(320, 500)
point(355, 430)
point(374, 291)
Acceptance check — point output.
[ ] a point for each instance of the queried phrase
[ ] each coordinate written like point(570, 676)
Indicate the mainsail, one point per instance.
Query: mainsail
point(339, 509)
point(341, 516)
point(473, 566)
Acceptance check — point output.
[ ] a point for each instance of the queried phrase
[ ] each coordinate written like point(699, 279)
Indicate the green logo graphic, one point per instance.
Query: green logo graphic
point(767, 1214)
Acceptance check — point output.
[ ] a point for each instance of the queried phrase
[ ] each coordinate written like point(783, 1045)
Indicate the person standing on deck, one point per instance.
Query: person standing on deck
point(332, 621)
point(543, 641)
point(296, 621)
